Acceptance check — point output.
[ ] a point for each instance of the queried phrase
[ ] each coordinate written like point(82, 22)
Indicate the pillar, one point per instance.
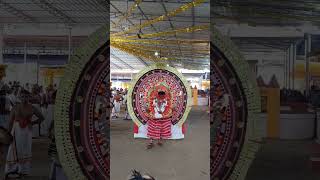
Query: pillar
point(291, 51)
point(285, 70)
point(288, 69)
point(307, 44)
point(38, 67)
point(69, 42)
point(195, 96)
point(1, 43)
point(294, 64)
point(25, 64)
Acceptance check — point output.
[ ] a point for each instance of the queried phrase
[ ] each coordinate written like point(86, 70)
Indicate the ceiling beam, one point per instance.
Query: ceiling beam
point(105, 4)
point(12, 10)
point(123, 14)
point(171, 25)
point(54, 11)
point(119, 59)
point(114, 64)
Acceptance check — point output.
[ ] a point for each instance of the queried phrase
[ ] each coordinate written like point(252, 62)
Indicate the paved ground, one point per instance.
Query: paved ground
point(186, 159)
point(283, 160)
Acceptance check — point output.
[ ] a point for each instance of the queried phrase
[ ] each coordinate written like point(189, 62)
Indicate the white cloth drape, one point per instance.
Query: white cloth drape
point(48, 115)
point(20, 151)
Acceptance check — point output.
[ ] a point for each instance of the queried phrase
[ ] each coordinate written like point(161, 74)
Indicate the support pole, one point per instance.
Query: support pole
point(25, 62)
point(294, 64)
point(1, 43)
point(38, 60)
point(69, 43)
point(285, 69)
point(307, 58)
point(291, 66)
point(288, 68)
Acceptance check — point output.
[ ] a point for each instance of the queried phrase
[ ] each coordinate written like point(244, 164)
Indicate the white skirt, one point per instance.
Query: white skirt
point(48, 115)
point(20, 151)
point(117, 106)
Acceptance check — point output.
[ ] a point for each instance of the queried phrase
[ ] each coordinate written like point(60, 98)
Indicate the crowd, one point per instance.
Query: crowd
point(118, 101)
point(295, 96)
point(289, 96)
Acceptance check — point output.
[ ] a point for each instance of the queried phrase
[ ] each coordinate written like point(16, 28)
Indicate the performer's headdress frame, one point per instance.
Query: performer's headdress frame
point(167, 68)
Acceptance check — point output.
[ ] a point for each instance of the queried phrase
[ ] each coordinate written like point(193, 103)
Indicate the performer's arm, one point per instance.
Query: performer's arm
point(37, 112)
point(51, 132)
point(12, 117)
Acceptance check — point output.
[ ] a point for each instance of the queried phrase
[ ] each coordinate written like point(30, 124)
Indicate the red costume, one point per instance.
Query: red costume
point(159, 124)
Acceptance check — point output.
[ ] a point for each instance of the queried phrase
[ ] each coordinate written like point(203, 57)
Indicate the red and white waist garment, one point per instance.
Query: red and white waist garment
point(159, 128)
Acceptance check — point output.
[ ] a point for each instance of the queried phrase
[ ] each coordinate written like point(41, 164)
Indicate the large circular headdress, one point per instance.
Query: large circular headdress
point(233, 136)
point(146, 86)
point(81, 128)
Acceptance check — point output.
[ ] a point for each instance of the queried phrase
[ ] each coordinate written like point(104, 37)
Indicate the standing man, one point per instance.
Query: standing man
point(19, 154)
point(117, 104)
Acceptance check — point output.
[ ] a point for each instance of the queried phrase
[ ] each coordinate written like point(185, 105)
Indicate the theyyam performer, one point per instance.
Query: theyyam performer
point(159, 101)
point(159, 126)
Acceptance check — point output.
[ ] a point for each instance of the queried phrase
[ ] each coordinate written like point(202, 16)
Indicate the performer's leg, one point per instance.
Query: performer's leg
point(52, 170)
point(12, 165)
point(160, 142)
point(60, 175)
point(150, 144)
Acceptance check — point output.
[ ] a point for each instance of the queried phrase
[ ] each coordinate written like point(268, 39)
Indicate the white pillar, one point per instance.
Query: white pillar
point(288, 68)
point(69, 42)
point(25, 63)
point(291, 65)
point(294, 64)
point(285, 69)
point(1, 43)
point(307, 54)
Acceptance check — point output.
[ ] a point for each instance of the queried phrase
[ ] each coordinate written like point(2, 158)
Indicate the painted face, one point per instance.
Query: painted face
point(161, 95)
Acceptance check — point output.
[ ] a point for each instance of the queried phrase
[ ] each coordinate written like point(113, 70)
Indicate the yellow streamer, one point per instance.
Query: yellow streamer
point(156, 41)
point(182, 8)
point(163, 49)
point(173, 32)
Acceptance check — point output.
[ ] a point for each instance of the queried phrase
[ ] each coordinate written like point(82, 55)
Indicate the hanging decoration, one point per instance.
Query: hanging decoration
point(144, 45)
point(181, 9)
